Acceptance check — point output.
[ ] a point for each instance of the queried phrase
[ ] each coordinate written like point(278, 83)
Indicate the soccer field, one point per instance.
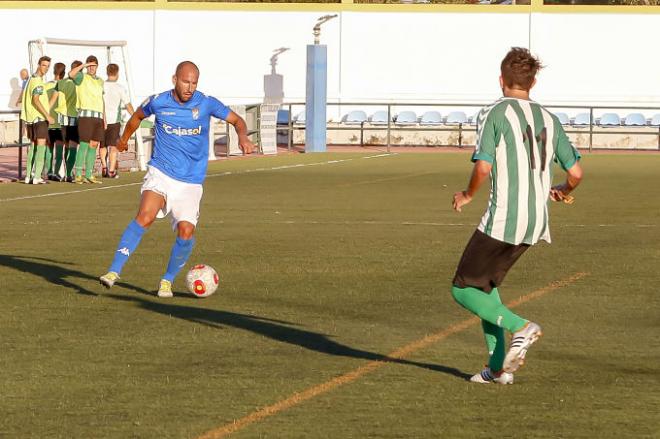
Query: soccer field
point(334, 317)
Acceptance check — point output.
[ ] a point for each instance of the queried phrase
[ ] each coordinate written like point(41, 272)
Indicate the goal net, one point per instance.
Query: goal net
point(66, 51)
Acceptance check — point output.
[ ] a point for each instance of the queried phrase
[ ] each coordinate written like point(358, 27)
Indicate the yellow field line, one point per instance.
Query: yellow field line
point(349, 377)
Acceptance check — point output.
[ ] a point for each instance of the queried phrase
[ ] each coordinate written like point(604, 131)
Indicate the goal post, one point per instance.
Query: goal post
point(68, 50)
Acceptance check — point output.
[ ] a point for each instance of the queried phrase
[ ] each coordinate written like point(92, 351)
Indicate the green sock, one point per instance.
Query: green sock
point(30, 158)
point(59, 153)
point(488, 307)
point(90, 160)
point(49, 159)
point(495, 341)
point(70, 160)
point(39, 157)
point(80, 158)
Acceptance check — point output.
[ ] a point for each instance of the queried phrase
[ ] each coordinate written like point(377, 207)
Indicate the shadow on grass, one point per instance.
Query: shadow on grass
point(276, 330)
point(50, 270)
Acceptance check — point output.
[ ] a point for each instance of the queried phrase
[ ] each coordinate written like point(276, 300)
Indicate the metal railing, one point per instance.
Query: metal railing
point(461, 128)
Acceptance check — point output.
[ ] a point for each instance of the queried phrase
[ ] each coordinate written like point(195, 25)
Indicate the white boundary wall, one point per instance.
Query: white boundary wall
point(595, 59)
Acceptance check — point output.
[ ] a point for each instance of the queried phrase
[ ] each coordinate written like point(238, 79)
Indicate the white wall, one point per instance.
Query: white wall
point(601, 59)
point(376, 56)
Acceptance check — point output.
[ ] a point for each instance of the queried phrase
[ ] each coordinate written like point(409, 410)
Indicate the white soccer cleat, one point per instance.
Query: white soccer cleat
point(165, 288)
point(520, 343)
point(109, 279)
point(488, 377)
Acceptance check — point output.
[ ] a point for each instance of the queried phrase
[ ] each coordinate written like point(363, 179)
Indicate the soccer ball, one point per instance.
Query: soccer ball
point(202, 280)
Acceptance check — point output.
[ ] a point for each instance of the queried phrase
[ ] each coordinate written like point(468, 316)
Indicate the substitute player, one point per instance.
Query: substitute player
point(91, 118)
point(67, 117)
point(35, 112)
point(173, 183)
point(116, 100)
point(55, 139)
point(517, 141)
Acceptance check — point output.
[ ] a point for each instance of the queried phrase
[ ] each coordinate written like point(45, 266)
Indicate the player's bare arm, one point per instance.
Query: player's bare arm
point(53, 99)
point(37, 104)
point(131, 126)
point(480, 173)
point(573, 179)
point(241, 129)
point(74, 71)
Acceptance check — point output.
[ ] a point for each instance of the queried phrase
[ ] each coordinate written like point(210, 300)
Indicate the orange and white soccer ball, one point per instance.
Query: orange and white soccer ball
point(202, 280)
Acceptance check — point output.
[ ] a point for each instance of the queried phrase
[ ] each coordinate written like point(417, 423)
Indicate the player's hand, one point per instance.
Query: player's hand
point(460, 200)
point(246, 146)
point(122, 145)
point(50, 120)
point(557, 193)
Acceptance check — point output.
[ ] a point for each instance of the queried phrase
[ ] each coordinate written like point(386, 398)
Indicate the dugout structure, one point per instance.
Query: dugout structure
point(66, 51)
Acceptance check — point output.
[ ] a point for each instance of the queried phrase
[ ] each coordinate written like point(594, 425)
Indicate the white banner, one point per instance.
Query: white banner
point(268, 128)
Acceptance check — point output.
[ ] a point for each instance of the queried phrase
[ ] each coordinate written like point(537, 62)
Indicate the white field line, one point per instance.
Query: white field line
point(221, 174)
point(352, 223)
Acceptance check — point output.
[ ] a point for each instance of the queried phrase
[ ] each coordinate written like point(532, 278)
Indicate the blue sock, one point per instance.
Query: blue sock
point(180, 252)
point(127, 245)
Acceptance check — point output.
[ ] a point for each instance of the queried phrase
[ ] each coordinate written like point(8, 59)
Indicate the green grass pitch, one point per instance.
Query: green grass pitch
point(325, 268)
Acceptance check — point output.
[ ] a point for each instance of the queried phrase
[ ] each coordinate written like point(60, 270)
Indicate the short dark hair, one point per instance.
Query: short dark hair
point(112, 69)
point(92, 58)
point(75, 64)
point(43, 58)
point(519, 68)
point(182, 64)
point(59, 69)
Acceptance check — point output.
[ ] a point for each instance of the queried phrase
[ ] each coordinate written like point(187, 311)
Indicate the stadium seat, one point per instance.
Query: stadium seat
point(456, 118)
point(635, 120)
point(609, 120)
point(406, 118)
point(299, 119)
point(581, 119)
point(355, 117)
point(563, 118)
point(282, 117)
point(655, 120)
point(431, 118)
point(378, 118)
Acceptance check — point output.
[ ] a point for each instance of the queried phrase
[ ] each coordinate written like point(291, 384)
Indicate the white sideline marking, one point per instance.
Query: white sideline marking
point(221, 174)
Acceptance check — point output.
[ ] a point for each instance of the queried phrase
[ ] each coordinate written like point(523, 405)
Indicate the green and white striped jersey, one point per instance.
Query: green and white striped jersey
point(520, 139)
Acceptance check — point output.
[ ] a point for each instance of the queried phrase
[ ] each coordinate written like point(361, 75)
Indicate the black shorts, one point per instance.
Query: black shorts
point(70, 134)
point(486, 261)
point(37, 130)
point(111, 135)
point(54, 135)
point(90, 129)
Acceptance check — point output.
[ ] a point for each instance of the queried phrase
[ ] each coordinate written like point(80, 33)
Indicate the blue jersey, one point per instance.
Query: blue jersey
point(181, 144)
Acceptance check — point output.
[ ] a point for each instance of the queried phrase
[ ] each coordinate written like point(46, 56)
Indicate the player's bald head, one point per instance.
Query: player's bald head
point(186, 67)
point(185, 80)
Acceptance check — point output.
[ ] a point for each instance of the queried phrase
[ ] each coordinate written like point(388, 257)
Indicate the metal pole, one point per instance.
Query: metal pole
point(389, 119)
point(460, 135)
point(227, 136)
point(290, 131)
point(362, 133)
point(20, 149)
point(591, 127)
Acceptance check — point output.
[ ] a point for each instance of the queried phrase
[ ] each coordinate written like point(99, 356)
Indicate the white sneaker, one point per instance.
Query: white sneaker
point(488, 377)
point(165, 288)
point(39, 181)
point(520, 343)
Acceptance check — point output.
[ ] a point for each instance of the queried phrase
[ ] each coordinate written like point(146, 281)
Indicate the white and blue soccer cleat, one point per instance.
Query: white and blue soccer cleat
point(488, 377)
point(520, 343)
